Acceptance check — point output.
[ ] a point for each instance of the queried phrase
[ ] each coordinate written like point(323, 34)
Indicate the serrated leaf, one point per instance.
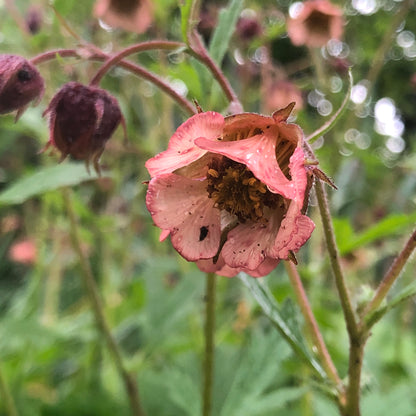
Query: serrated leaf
point(224, 30)
point(46, 179)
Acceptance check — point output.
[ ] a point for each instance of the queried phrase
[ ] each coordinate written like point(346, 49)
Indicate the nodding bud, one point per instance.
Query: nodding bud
point(20, 83)
point(81, 121)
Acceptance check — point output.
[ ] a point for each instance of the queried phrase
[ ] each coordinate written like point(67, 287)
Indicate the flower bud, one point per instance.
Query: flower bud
point(81, 121)
point(20, 83)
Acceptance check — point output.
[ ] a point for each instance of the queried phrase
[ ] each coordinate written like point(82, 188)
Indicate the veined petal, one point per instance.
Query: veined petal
point(294, 231)
point(258, 153)
point(222, 269)
point(182, 150)
point(219, 268)
point(248, 243)
point(181, 205)
point(298, 174)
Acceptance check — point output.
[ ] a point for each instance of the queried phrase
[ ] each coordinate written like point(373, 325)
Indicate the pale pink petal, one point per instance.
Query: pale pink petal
point(264, 268)
point(248, 243)
point(180, 205)
point(222, 269)
point(182, 150)
point(258, 153)
point(298, 174)
point(294, 231)
point(164, 235)
point(219, 268)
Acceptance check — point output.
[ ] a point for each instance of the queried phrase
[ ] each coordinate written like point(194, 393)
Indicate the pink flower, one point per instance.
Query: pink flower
point(230, 191)
point(280, 93)
point(20, 83)
point(131, 15)
point(316, 23)
point(23, 252)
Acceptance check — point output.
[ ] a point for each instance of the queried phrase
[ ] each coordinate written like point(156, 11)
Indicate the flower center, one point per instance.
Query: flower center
point(234, 188)
point(318, 23)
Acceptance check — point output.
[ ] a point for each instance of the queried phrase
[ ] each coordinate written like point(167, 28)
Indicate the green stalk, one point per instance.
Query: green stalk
point(209, 335)
point(91, 289)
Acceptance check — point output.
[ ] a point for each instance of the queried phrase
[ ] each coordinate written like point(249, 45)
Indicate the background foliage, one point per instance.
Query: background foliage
point(51, 355)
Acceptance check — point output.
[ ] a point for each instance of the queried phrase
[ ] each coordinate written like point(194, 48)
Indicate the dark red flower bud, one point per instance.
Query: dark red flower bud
point(81, 121)
point(20, 83)
point(248, 28)
point(34, 19)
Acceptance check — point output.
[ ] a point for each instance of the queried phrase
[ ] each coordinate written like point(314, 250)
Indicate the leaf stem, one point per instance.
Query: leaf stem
point(198, 51)
point(312, 325)
point(133, 68)
point(391, 276)
point(91, 289)
point(139, 47)
point(209, 335)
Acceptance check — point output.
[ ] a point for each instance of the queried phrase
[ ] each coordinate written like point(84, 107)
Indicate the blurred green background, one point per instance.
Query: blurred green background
point(52, 357)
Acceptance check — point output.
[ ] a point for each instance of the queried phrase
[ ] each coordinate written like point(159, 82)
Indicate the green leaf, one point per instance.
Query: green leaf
point(44, 180)
point(387, 227)
point(271, 309)
point(223, 32)
point(189, 17)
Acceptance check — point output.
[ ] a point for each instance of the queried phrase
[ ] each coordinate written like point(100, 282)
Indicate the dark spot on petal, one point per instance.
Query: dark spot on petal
point(203, 232)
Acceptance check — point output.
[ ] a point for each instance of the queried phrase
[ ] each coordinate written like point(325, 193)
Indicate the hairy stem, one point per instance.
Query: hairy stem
point(140, 47)
point(91, 289)
point(328, 228)
point(352, 406)
point(312, 326)
point(391, 276)
point(129, 66)
point(209, 333)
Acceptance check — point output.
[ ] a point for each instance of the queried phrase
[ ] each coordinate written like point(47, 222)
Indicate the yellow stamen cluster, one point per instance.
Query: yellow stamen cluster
point(234, 188)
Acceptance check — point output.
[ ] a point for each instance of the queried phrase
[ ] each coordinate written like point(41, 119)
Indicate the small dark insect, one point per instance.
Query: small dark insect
point(203, 232)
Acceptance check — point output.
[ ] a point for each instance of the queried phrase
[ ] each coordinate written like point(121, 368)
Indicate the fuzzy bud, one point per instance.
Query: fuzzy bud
point(81, 121)
point(20, 83)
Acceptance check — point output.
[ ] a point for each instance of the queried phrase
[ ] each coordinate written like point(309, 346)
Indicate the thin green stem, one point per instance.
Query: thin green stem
point(313, 327)
point(209, 334)
point(391, 276)
point(91, 289)
point(352, 407)
point(328, 228)
point(9, 403)
point(140, 47)
point(198, 51)
point(133, 68)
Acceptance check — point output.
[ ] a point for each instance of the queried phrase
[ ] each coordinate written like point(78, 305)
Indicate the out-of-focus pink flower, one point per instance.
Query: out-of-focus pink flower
point(280, 93)
point(230, 191)
point(20, 83)
point(316, 23)
point(81, 121)
point(23, 252)
point(131, 15)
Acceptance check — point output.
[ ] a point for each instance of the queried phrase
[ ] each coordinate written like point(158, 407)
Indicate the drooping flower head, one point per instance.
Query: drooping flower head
point(81, 121)
point(20, 83)
point(315, 23)
point(131, 15)
point(231, 192)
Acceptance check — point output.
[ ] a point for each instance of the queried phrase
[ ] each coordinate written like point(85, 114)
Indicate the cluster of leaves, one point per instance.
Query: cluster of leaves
point(52, 358)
